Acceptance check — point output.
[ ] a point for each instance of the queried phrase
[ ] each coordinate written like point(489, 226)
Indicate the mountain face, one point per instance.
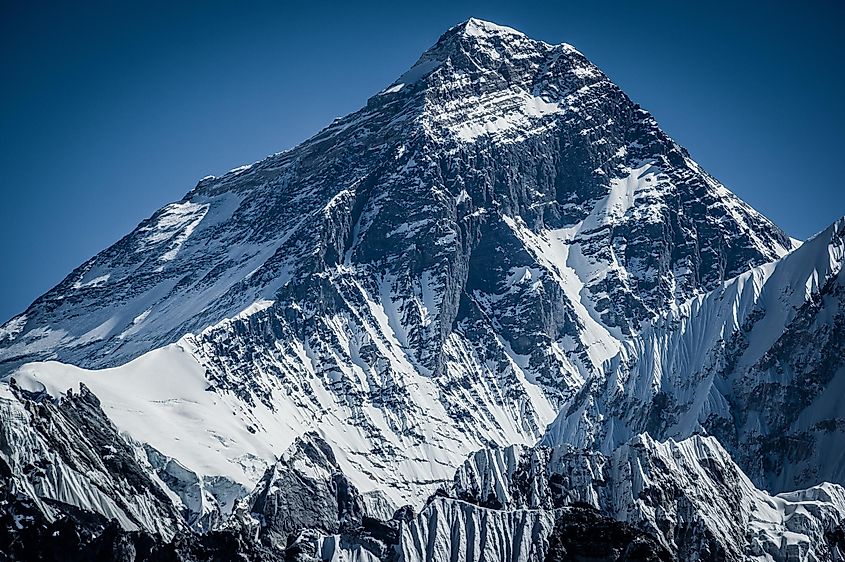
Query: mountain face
point(759, 363)
point(500, 250)
point(689, 495)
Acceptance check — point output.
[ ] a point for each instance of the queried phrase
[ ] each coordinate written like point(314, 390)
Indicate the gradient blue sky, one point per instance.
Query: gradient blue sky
point(109, 110)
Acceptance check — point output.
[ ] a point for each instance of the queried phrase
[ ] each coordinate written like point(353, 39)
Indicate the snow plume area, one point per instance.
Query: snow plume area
point(495, 314)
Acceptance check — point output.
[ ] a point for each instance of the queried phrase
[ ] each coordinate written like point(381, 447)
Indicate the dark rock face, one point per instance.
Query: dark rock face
point(309, 509)
point(78, 536)
point(307, 489)
point(582, 534)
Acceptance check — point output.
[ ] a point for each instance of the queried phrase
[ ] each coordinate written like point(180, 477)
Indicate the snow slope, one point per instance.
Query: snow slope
point(171, 399)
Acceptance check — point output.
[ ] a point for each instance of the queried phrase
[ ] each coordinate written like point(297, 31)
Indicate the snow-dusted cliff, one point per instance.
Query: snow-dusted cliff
point(688, 495)
point(757, 363)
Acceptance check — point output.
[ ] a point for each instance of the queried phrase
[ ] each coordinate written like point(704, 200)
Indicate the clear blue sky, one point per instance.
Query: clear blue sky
point(110, 110)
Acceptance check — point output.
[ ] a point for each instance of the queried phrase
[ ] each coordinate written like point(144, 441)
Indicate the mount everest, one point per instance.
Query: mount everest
point(496, 314)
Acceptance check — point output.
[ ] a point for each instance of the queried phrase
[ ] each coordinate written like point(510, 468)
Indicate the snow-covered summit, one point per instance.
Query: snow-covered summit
point(481, 79)
point(477, 27)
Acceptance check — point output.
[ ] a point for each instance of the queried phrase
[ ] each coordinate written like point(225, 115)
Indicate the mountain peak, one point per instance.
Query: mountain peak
point(583, 155)
point(478, 57)
point(470, 45)
point(475, 27)
point(475, 35)
point(481, 79)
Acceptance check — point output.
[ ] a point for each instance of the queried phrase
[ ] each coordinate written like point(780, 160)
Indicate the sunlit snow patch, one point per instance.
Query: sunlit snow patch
point(12, 328)
point(175, 223)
